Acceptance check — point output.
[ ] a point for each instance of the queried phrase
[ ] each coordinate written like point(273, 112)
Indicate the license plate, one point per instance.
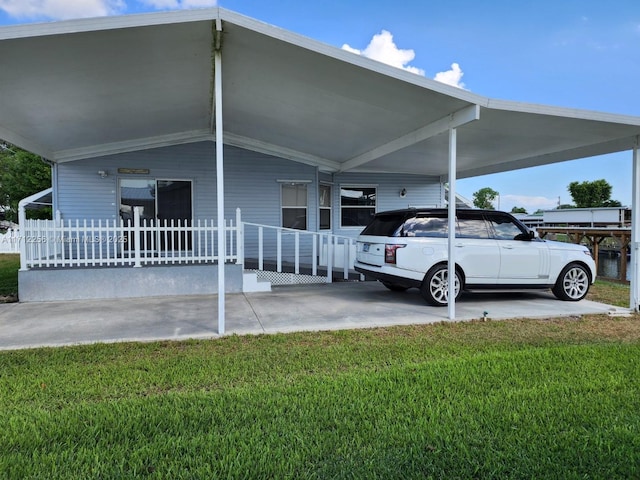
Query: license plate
point(365, 247)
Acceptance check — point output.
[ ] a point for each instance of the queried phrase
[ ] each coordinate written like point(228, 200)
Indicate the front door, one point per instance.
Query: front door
point(162, 202)
point(173, 204)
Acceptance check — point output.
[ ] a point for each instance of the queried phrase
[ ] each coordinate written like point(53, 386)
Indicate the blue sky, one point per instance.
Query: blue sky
point(569, 53)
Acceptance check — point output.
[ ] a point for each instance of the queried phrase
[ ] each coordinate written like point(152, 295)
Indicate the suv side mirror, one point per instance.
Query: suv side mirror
point(526, 237)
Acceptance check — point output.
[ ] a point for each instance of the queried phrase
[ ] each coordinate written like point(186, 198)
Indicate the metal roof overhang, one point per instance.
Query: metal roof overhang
point(86, 88)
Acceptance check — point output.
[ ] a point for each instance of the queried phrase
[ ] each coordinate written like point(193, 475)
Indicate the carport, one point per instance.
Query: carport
point(86, 88)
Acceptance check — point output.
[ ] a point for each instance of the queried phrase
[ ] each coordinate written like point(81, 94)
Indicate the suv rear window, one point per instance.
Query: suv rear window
point(384, 225)
point(435, 225)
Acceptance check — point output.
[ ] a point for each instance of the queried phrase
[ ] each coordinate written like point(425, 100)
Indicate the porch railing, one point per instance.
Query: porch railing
point(297, 251)
point(59, 243)
point(95, 243)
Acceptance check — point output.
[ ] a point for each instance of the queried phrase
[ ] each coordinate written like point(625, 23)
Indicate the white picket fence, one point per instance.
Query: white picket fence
point(10, 241)
point(94, 243)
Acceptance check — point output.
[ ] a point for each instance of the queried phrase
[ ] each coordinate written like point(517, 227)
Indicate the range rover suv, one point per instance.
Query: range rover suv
point(409, 248)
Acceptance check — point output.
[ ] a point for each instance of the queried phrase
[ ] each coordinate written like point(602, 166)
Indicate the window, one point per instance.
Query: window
point(294, 205)
point(357, 206)
point(325, 207)
point(471, 225)
point(435, 225)
point(163, 201)
point(505, 229)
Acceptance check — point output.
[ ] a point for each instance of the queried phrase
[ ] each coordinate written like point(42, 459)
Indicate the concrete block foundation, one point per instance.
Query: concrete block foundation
point(42, 285)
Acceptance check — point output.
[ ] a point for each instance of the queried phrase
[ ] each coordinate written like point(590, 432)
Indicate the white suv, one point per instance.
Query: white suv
point(408, 248)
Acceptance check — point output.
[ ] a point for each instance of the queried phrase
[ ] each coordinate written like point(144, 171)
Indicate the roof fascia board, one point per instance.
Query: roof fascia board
point(106, 23)
point(279, 151)
point(454, 120)
point(348, 57)
point(71, 155)
point(20, 141)
point(576, 113)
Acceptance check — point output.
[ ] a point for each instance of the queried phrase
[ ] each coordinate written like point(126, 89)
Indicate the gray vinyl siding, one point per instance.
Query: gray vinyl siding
point(252, 183)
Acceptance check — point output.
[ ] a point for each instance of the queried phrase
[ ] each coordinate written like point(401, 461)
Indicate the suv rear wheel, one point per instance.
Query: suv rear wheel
point(573, 283)
point(435, 287)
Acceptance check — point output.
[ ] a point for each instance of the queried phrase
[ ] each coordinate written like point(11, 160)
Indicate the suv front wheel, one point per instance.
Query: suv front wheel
point(435, 287)
point(573, 283)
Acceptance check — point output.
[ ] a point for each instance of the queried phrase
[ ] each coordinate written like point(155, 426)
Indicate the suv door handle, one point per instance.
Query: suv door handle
point(508, 247)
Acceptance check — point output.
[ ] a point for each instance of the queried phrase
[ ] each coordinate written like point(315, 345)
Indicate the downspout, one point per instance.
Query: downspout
point(635, 231)
point(219, 172)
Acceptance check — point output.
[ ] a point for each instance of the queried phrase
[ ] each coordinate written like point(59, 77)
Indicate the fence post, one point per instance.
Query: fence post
point(22, 238)
point(329, 258)
point(136, 236)
point(240, 237)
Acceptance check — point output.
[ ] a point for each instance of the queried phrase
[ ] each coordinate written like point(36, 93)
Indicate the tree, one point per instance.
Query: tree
point(484, 198)
point(21, 174)
point(592, 194)
point(518, 210)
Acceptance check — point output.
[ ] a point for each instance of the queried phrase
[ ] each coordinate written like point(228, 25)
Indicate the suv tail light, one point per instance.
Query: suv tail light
point(390, 252)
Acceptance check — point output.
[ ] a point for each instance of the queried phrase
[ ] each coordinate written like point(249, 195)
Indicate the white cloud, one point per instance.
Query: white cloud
point(66, 9)
point(383, 49)
point(530, 203)
point(451, 77)
point(61, 9)
point(179, 4)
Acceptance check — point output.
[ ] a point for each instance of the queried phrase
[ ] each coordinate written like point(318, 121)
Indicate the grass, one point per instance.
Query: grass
point(513, 399)
point(611, 293)
point(9, 265)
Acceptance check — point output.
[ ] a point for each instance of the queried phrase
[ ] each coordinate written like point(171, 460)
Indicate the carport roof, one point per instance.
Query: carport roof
point(85, 88)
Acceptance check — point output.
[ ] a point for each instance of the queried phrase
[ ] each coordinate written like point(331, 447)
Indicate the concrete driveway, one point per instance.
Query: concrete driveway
point(285, 309)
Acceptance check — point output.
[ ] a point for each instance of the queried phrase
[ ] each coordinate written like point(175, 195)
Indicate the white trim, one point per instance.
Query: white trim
point(453, 120)
point(280, 152)
point(329, 208)
point(293, 181)
point(305, 183)
point(107, 23)
point(194, 136)
point(354, 185)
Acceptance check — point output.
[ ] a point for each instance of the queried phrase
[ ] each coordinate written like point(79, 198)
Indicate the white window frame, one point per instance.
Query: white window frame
point(322, 208)
point(355, 186)
point(283, 207)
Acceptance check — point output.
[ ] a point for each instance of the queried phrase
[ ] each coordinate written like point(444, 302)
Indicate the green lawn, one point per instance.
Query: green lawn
point(9, 265)
point(511, 399)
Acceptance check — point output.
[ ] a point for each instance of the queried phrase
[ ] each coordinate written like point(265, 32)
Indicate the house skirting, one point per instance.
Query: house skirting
point(41, 285)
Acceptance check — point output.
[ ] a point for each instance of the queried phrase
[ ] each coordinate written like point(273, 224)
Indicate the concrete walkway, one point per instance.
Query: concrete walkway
point(285, 309)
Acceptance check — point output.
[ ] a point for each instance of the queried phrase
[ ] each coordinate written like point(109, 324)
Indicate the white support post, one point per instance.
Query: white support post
point(297, 253)
point(219, 177)
point(240, 237)
point(260, 248)
point(136, 237)
point(279, 251)
point(314, 254)
point(635, 232)
point(452, 223)
point(329, 259)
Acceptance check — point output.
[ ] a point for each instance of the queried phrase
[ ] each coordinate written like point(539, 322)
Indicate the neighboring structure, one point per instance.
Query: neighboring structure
point(193, 115)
